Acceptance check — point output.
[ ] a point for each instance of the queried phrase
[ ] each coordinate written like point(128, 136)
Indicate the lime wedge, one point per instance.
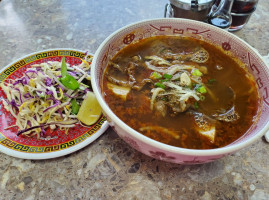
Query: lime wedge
point(90, 110)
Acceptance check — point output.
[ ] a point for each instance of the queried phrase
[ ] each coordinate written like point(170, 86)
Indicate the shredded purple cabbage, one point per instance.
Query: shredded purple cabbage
point(28, 129)
point(14, 105)
point(23, 81)
point(28, 95)
point(40, 126)
point(72, 73)
point(39, 69)
point(31, 71)
point(48, 81)
point(43, 132)
point(51, 98)
point(60, 112)
point(51, 106)
point(76, 95)
point(19, 93)
point(57, 101)
point(49, 92)
point(86, 90)
point(58, 86)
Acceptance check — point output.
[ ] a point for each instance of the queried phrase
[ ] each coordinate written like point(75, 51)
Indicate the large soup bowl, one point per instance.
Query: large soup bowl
point(230, 44)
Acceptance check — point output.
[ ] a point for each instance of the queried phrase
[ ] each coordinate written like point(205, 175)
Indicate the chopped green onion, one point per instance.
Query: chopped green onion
point(197, 72)
point(75, 106)
point(201, 89)
point(167, 76)
point(202, 98)
point(196, 106)
point(160, 85)
point(155, 75)
point(211, 80)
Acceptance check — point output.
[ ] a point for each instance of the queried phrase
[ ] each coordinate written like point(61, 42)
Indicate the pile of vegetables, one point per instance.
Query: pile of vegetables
point(177, 86)
point(48, 95)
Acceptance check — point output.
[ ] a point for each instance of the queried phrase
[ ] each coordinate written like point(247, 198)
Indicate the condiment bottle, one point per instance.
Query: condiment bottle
point(241, 12)
point(244, 6)
point(189, 9)
point(221, 16)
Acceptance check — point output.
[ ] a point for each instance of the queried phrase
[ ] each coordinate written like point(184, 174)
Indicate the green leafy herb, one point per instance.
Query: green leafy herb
point(63, 68)
point(160, 85)
point(66, 79)
point(70, 82)
point(197, 72)
point(75, 106)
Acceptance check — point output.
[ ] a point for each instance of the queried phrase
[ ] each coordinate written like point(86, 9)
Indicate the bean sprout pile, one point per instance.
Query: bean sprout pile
point(49, 95)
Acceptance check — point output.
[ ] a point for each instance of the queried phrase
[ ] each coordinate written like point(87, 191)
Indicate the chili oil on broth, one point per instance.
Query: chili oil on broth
point(226, 110)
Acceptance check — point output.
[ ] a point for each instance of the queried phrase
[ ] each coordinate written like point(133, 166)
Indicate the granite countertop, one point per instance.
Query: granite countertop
point(109, 168)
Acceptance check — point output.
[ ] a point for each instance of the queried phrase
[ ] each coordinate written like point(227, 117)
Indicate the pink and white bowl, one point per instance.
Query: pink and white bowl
point(230, 43)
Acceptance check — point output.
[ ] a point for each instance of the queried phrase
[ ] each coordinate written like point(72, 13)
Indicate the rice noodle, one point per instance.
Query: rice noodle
point(172, 85)
point(187, 95)
point(156, 69)
point(162, 129)
point(155, 92)
point(159, 60)
point(175, 68)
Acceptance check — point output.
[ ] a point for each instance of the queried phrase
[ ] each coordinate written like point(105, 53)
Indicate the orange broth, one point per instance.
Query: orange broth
point(229, 83)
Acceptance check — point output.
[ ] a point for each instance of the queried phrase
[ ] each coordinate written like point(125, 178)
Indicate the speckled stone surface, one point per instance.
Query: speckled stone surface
point(109, 168)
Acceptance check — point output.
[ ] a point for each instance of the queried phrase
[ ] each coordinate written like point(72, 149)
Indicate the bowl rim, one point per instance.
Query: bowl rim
point(144, 139)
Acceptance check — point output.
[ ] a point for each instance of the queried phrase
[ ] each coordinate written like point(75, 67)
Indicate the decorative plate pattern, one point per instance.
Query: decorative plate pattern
point(56, 143)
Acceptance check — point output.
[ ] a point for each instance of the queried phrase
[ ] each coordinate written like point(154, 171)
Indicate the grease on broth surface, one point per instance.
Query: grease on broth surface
point(181, 91)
